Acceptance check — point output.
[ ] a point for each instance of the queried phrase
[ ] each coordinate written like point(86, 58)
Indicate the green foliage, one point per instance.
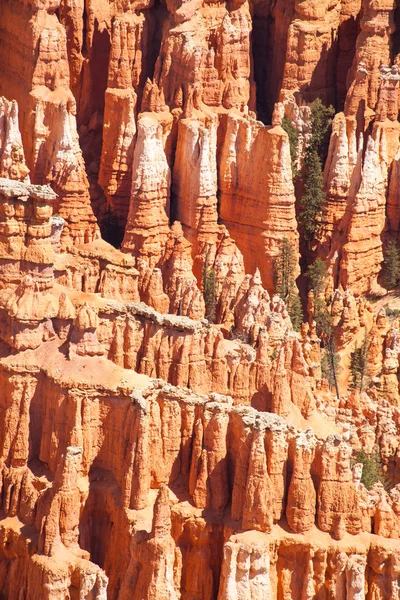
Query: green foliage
point(330, 366)
point(323, 319)
point(330, 361)
point(290, 129)
point(356, 369)
point(285, 283)
point(372, 470)
point(235, 334)
point(209, 291)
point(284, 269)
point(392, 312)
point(321, 121)
point(313, 200)
point(391, 265)
point(296, 312)
point(358, 364)
point(316, 275)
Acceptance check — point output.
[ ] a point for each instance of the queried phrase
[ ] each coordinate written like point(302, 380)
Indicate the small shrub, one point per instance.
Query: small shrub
point(372, 470)
point(392, 313)
point(241, 336)
point(391, 265)
point(274, 353)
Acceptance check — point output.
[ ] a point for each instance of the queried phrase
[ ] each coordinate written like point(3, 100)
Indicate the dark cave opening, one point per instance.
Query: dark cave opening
point(261, 66)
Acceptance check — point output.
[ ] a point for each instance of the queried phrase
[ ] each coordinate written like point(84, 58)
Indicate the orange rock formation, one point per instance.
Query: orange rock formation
point(148, 452)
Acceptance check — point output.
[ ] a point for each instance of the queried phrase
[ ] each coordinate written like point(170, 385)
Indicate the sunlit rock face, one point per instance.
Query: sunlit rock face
point(165, 431)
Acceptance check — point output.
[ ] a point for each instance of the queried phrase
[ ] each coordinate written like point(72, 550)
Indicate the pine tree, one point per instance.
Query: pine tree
point(285, 267)
point(209, 291)
point(290, 129)
point(330, 365)
point(358, 364)
point(372, 470)
point(313, 200)
point(295, 311)
point(321, 121)
point(391, 265)
point(355, 368)
point(316, 275)
point(323, 319)
point(285, 283)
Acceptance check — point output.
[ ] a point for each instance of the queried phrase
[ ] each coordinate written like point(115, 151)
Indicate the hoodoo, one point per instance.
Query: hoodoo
point(199, 300)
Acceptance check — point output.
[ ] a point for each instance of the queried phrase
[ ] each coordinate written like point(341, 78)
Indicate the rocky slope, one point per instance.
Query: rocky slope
point(151, 450)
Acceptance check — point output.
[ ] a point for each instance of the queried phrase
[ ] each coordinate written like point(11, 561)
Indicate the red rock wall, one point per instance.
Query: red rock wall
point(147, 452)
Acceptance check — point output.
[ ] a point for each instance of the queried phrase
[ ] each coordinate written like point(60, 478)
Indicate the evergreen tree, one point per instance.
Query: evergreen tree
point(372, 470)
point(290, 129)
point(296, 311)
point(285, 268)
point(391, 265)
point(355, 369)
point(330, 365)
point(209, 291)
point(313, 200)
point(330, 362)
point(358, 364)
point(285, 283)
point(321, 121)
point(323, 319)
point(316, 275)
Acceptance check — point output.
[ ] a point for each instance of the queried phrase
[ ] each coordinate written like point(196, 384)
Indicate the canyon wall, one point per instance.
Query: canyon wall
point(165, 432)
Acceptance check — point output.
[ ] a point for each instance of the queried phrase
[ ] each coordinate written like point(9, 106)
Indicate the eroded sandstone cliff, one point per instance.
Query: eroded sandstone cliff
point(161, 436)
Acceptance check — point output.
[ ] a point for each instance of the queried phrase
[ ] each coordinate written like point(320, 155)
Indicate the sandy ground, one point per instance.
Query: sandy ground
point(81, 371)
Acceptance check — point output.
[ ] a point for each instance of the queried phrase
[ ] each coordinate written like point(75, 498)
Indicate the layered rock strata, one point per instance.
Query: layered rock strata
point(190, 474)
point(145, 451)
point(38, 79)
point(363, 147)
